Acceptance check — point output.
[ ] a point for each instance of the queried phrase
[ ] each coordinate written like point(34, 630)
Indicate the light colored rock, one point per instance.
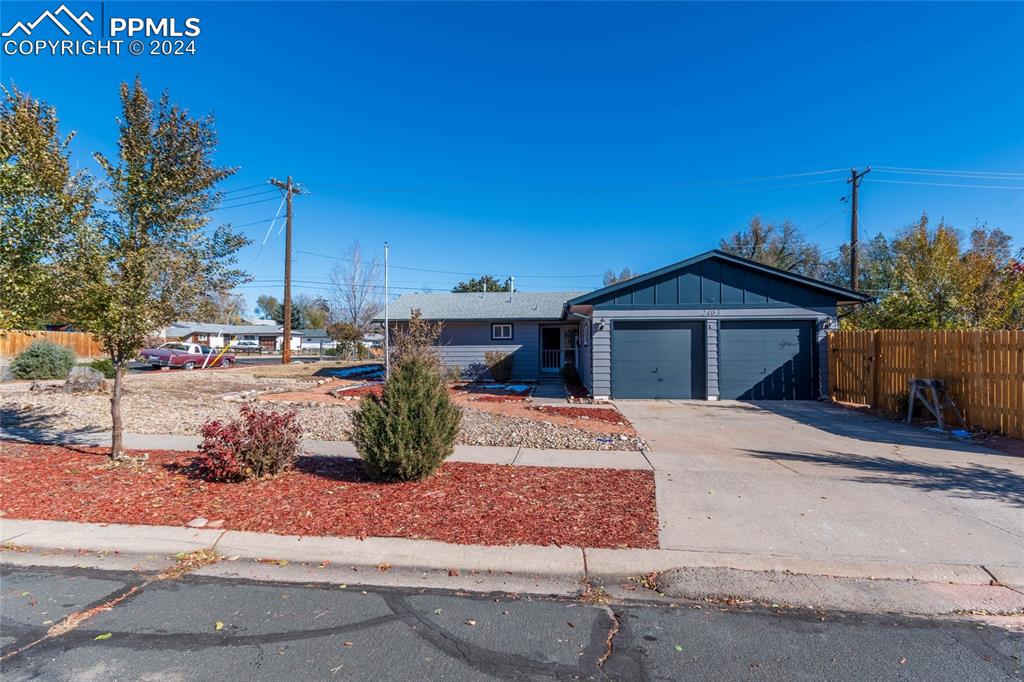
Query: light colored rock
point(198, 522)
point(84, 379)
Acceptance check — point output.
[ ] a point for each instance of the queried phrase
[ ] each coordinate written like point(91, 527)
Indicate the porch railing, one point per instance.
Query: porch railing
point(551, 359)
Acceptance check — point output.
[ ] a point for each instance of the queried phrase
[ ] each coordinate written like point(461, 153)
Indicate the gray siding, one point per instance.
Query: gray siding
point(711, 341)
point(585, 357)
point(601, 358)
point(464, 343)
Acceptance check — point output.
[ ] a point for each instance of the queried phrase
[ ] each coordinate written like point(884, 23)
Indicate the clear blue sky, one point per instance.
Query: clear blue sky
point(565, 139)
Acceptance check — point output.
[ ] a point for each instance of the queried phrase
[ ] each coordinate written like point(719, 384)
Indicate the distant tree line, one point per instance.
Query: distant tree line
point(923, 277)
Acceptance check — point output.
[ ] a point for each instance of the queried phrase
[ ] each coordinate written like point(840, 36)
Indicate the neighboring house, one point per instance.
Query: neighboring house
point(313, 339)
point(709, 327)
point(216, 335)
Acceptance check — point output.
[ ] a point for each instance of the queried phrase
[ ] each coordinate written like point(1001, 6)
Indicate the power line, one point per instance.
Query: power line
point(932, 171)
point(947, 184)
point(454, 272)
point(254, 194)
point(261, 201)
point(582, 190)
point(257, 222)
point(242, 189)
point(606, 188)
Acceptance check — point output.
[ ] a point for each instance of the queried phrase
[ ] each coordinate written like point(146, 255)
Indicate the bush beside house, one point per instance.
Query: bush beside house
point(499, 364)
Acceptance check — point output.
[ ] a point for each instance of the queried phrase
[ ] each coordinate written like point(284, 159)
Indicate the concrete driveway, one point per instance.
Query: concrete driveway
point(815, 481)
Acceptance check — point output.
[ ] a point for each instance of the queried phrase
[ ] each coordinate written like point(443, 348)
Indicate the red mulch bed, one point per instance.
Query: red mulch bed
point(603, 414)
point(463, 503)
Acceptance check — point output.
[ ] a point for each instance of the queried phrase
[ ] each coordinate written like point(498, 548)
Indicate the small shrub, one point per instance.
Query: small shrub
point(418, 340)
point(453, 374)
point(261, 442)
point(105, 365)
point(362, 352)
point(43, 360)
point(570, 375)
point(499, 364)
point(409, 430)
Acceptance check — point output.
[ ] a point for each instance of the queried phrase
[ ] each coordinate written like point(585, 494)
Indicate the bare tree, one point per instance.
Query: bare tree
point(357, 292)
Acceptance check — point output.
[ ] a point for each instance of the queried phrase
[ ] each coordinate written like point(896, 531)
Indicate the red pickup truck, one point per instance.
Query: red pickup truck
point(185, 356)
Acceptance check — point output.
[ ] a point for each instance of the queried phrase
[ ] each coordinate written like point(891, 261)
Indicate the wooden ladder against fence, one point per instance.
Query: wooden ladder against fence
point(982, 370)
point(84, 345)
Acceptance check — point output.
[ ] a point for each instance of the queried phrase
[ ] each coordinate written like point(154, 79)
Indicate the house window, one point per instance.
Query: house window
point(501, 332)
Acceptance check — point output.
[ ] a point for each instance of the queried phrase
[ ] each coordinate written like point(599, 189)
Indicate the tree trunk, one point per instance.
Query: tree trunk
point(117, 427)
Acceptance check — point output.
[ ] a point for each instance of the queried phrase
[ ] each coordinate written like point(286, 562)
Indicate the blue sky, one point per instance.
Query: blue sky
point(555, 141)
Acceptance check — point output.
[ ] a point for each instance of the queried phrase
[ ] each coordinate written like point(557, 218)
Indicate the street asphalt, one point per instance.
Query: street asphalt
point(202, 628)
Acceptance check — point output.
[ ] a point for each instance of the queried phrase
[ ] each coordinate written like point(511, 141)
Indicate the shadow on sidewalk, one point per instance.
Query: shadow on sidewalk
point(971, 481)
point(32, 426)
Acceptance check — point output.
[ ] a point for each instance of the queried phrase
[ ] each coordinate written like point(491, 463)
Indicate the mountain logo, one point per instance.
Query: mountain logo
point(69, 16)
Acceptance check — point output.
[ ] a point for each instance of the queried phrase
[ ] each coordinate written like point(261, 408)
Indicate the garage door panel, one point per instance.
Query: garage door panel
point(766, 360)
point(658, 360)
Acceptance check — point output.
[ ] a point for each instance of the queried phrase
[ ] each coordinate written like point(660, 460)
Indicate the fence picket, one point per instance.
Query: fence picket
point(984, 371)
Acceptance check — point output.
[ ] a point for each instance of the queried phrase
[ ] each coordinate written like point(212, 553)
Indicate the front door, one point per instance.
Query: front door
point(550, 349)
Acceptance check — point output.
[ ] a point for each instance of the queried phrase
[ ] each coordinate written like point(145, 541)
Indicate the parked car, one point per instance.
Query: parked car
point(185, 356)
point(247, 346)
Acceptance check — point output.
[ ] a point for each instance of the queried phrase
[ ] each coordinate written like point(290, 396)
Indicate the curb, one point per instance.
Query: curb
point(546, 568)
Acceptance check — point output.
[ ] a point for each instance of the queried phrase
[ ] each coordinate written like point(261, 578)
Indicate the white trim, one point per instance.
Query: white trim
point(497, 336)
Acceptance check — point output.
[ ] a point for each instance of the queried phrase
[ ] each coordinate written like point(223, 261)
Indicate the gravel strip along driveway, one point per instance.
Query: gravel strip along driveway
point(179, 402)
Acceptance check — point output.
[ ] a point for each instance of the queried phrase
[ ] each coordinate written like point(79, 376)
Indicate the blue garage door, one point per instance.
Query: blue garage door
point(766, 360)
point(658, 360)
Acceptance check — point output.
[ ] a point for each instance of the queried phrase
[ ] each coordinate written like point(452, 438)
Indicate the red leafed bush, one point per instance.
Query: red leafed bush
point(261, 442)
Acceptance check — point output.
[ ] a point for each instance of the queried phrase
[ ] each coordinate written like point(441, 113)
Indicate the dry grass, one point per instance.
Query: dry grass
point(303, 370)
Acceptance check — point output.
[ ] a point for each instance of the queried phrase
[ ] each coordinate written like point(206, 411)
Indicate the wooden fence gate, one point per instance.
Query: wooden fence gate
point(983, 370)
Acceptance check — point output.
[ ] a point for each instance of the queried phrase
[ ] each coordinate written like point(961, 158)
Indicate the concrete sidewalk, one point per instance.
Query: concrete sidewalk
point(481, 454)
point(858, 586)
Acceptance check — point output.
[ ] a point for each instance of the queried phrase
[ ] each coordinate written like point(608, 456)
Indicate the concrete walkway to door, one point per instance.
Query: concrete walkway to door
point(815, 481)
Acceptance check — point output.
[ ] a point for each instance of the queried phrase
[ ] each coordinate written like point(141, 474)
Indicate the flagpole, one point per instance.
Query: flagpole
point(387, 333)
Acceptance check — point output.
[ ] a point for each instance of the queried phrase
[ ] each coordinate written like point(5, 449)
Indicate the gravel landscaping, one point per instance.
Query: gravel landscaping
point(179, 402)
point(484, 504)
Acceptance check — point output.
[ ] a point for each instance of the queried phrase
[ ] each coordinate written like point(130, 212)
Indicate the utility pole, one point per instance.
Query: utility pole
point(854, 183)
point(290, 189)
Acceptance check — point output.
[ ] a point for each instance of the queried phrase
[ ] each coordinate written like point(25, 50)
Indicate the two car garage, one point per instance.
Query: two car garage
point(712, 326)
point(746, 359)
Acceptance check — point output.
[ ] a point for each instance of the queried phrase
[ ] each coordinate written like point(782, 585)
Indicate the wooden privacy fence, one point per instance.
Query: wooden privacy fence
point(983, 371)
point(84, 345)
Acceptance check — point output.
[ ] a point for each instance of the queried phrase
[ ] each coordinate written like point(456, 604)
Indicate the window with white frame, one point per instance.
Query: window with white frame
point(501, 331)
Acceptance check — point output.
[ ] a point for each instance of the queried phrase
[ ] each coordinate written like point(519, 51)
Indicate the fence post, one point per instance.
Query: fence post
point(873, 371)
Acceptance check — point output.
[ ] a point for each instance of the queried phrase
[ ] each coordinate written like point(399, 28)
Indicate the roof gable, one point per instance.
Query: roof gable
point(720, 278)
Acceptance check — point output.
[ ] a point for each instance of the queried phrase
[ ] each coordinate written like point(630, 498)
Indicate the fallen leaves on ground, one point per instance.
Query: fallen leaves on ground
point(464, 503)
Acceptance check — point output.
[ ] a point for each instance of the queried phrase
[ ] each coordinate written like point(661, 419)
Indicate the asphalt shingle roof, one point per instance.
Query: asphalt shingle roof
point(497, 305)
point(214, 328)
